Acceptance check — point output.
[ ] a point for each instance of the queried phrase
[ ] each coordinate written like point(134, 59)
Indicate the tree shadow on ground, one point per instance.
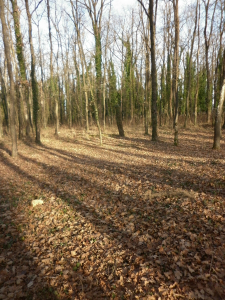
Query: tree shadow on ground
point(169, 173)
point(156, 233)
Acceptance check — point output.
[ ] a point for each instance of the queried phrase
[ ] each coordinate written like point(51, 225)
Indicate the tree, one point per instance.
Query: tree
point(5, 33)
point(52, 83)
point(217, 128)
point(95, 10)
point(151, 13)
point(146, 33)
point(76, 21)
point(207, 45)
point(114, 97)
point(189, 67)
point(35, 92)
point(23, 105)
point(197, 75)
point(176, 70)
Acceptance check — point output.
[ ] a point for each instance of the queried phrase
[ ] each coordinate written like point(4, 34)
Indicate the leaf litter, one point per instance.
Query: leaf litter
point(132, 219)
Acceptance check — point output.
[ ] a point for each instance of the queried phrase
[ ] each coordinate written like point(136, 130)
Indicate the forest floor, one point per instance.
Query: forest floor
point(132, 219)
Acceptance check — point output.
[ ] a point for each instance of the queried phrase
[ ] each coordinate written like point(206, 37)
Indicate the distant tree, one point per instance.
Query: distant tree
point(114, 97)
point(202, 94)
point(76, 19)
point(95, 9)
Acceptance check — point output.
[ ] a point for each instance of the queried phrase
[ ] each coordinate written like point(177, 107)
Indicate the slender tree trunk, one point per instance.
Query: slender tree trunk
point(84, 64)
point(105, 68)
point(152, 17)
point(122, 80)
point(42, 93)
point(207, 45)
point(52, 84)
point(187, 117)
point(95, 13)
point(147, 73)
point(147, 92)
point(197, 80)
point(5, 33)
point(35, 92)
point(176, 70)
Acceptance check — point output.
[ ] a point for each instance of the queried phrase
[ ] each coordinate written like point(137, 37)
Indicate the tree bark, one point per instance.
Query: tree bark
point(207, 45)
point(152, 19)
point(119, 121)
point(147, 72)
point(187, 117)
point(5, 33)
point(176, 70)
point(217, 128)
point(52, 83)
point(36, 104)
point(105, 68)
point(197, 80)
point(24, 88)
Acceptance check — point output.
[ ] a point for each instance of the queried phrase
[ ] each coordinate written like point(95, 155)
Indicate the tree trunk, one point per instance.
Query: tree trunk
point(147, 73)
point(154, 71)
point(52, 84)
point(24, 100)
point(119, 120)
point(12, 85)
point(187, 117)
point(35, 92)
point(105, 68)
point(95, 13)
point(152, 20)
point(207, 44)
point(4, 99)
point(176, 70)
point(217, 128)
point(84, 64)
point(197, 81)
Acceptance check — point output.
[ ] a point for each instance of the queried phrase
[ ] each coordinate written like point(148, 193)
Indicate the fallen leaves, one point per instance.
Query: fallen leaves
point(115, 222)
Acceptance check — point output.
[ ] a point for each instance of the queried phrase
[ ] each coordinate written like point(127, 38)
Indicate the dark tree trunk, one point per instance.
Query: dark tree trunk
point(152, 20)
point(207, 45)
point(36, 104)
point(176, 71)
point(119, 121)
point(154, 71)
